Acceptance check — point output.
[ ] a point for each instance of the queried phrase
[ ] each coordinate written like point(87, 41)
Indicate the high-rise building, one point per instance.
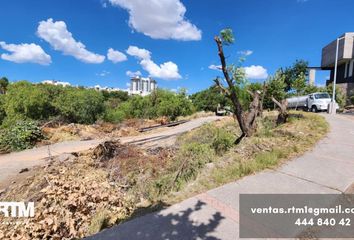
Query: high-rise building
point(142, 86)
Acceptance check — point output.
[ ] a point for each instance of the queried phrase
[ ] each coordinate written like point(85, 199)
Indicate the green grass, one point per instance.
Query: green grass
point(271, 146)
point(207, 158)
point(99, 221)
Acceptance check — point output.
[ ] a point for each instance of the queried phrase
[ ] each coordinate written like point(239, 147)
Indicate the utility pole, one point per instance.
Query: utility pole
point(332, 106)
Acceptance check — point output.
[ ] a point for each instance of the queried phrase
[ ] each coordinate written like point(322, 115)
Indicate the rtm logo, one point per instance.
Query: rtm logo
point(17, 209)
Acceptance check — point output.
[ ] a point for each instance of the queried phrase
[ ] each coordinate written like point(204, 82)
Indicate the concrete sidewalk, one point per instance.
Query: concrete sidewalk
point(329, 168)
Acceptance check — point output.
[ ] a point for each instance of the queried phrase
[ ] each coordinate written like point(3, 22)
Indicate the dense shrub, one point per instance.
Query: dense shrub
point(197, 149)
point(117, 95)
point(25, 100)
point(159, 103)
point(190, 159)
point(275, 88)
point(114, 115)
point(209, 99)
point(80, 105)
point(352, 99)
point(340, 95)
point(171, 105)
point(2, 108)
point(20, 135)
point(223, 141)
point(31, 101)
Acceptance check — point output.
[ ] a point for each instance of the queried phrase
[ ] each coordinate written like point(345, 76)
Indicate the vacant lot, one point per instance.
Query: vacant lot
point(85, 192)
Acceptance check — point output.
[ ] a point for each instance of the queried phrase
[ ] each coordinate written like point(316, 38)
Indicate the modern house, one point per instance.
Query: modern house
point(345, 70)
point(142, 86)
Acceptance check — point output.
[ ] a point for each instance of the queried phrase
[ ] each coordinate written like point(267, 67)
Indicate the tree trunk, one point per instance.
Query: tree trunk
point(264, 91)
point(282, 108)
point(246, 120)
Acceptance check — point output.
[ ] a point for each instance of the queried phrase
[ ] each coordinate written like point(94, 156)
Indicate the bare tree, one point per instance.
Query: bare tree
point(264, 91)
point(282, 108)
point(246, 118)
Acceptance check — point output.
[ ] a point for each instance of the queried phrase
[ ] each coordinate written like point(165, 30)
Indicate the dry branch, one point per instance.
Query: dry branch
point(283, 113)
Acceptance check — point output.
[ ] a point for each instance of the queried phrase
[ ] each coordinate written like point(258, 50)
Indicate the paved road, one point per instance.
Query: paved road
point(11, 164)
point(214, 215)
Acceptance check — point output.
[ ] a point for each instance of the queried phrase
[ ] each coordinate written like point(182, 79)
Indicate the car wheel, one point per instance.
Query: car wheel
point(314, 109)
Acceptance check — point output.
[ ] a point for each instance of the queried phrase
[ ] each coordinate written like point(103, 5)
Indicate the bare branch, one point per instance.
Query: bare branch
point(233, 96)
point(283, 114)
point(250, 93)
point(264, 91)
point(246, 119)
point(221, 87)
point(276, 102)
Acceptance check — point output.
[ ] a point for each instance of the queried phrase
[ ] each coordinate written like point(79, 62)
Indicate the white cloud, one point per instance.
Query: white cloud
point(133, 74)
point(22, 53)
point(167, 70)
point(116, 56)
point(252, 72)
point(138, 52)
point(57, 35)
point(256, 72)
point(103, 73)
point(245, 52)
point(215, 67)
point(159, 19)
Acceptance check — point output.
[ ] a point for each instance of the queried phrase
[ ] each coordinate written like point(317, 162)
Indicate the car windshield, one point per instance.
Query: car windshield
point(321, 95)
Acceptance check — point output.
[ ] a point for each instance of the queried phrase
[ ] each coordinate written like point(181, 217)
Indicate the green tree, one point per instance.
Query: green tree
point(80, 105)
point(299, 84)
point(27, 100)
point(159, 103)
point(275, 88)
point(312, 88)
point(114, 98)
point(2, 108)
point(340, 95)
point(234, 77)
point(292, 73)
point(209, 99)
point(4, 82)
point(174, 105)
point(21, 134)
point(121, 95)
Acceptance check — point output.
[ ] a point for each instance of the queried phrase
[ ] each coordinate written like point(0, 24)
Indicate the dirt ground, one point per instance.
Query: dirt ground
point(72, 131)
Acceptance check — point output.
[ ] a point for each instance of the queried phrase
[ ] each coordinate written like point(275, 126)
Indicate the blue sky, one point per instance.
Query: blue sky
point(170, 40)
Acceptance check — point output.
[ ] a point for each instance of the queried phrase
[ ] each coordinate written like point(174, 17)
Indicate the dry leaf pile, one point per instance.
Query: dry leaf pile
point(78, 194)
point(68, 197)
